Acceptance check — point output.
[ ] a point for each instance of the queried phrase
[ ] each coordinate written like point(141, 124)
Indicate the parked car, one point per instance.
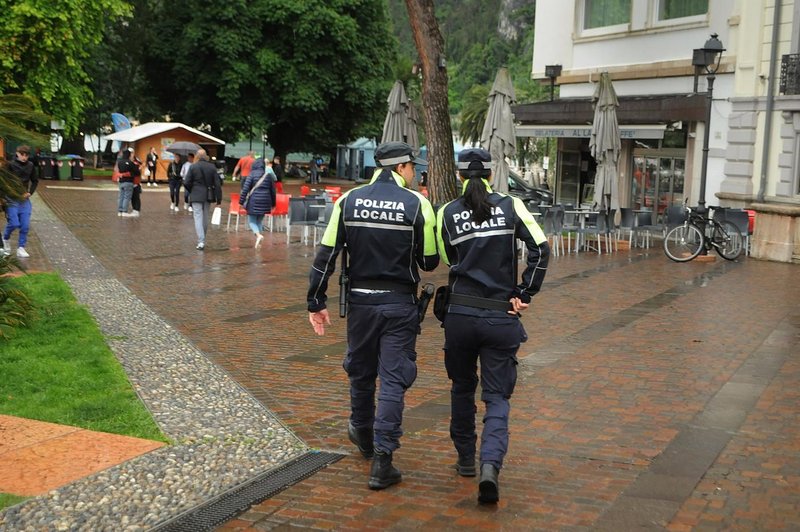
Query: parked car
point(530, 195)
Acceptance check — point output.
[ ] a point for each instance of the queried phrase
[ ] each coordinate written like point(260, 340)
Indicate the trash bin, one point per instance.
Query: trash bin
point(76, 168)
point(46, 167)
point(61, 170)
point(751, 215)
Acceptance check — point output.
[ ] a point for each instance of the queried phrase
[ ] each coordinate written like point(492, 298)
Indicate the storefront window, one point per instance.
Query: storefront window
point(601, 13)
point(657, 183)
point(669, 9)
point(569, 178)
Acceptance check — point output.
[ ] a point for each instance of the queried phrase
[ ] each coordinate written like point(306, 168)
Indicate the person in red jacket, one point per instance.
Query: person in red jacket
point(242, 168)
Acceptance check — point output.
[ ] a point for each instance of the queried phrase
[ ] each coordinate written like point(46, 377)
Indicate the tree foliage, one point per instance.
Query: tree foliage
point(19, 119)
point(311, 73)
point(116, 68)
point(44, 47)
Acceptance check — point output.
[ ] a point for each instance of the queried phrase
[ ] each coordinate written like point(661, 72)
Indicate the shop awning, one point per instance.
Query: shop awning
point(633, 110)
point(639, 131)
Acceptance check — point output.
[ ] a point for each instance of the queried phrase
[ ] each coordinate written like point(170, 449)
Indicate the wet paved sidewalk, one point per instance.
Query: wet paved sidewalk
point(650, 394)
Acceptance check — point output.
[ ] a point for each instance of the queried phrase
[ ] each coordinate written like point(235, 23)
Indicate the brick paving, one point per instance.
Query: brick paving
point(650, 394)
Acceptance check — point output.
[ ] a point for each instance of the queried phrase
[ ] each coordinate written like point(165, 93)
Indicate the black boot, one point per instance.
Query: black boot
point(363, 439)
point(383, 474)
point(488, 491)
point(466, 466)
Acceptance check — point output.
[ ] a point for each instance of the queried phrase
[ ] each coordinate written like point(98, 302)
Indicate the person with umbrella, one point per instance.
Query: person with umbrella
point(204, 188)
point(477, 236)
point(174, 178)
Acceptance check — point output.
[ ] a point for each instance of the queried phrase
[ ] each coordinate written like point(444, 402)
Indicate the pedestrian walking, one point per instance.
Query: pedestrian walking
point(127, 169)
point(387, 231)
point(258, 196)
point(184, 172)
point(243, 166)
point(313, 169)
point(151, 167)
point(277, 167)
point(136, 195)
point(174, 178)
point(477, 236)
point(18, 210)
point(203, 184)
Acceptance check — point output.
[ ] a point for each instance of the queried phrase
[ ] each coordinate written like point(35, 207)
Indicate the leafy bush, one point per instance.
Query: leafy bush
point(15, 305)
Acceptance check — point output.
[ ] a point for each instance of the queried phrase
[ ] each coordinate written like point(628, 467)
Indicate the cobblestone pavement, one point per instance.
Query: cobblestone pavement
point(650, 394)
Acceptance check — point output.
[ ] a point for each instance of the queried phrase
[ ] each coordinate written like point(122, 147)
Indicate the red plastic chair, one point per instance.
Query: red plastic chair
point(305, 190)
point(281, 209)
point(234, 209)
point(333, 190)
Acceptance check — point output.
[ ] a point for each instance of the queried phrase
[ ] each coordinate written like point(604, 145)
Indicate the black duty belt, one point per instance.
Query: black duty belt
point(394, 286)
point(479, 302)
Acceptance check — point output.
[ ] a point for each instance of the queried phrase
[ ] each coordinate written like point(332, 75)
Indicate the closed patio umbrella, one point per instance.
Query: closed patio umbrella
point(605, 145)
point(498, 136)
point(412, 134)
point(395, 127)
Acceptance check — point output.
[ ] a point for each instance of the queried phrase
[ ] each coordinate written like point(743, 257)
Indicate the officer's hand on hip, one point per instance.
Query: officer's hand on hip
point(517, 305)
point(318, 320)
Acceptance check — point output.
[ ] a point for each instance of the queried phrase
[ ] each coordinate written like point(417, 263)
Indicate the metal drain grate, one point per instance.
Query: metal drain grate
point(209, 515)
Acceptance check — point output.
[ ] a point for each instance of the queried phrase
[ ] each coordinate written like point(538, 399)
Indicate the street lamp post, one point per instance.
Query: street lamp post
point(552, 72)
point(708, 57)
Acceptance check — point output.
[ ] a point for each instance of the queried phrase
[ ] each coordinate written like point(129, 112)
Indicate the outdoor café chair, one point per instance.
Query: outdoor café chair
point(234, 209)
point(281, 210)
point(298, 216)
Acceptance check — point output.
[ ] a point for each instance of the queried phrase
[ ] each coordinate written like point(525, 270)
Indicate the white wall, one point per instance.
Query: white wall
point(558, 38)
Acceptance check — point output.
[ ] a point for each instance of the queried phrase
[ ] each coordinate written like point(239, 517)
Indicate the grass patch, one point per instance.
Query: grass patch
point(95, 172)
point(7, 499)
point(61, 370)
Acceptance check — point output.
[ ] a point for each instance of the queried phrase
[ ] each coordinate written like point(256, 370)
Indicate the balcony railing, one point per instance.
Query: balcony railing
point(790, 74)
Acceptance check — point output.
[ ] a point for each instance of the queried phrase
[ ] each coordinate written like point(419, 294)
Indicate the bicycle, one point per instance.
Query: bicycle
point(686, 241)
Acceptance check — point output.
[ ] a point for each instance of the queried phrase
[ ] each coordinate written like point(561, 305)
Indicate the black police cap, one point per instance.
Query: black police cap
point(392, 153)
point(474, 159)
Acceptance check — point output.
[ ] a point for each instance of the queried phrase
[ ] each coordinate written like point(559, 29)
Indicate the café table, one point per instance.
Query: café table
point(582, 215)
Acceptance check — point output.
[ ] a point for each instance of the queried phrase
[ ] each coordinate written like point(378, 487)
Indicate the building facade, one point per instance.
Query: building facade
point(647, 48)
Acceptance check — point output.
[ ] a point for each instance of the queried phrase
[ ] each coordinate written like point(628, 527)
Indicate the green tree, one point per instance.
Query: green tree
point(311, 73)
point(19, 119)
point(43, 49)
point(18, 115)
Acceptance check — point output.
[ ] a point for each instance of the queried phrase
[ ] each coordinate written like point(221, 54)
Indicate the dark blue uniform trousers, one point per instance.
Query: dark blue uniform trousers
point(496, 342)
point(381, 343)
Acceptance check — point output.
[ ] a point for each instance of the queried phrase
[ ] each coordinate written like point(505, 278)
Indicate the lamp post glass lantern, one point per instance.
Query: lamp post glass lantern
point(552, 72)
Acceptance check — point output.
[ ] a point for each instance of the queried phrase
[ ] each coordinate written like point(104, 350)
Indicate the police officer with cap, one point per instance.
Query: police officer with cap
point(477, 236)
point(388, 232)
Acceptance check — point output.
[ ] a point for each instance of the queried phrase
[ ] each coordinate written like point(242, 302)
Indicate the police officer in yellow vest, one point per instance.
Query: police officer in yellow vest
point(388, 232)
point(477, 238)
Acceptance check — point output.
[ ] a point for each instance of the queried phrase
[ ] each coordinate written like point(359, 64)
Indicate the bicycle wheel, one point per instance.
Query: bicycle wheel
point(727, 240)
point(683, 243)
